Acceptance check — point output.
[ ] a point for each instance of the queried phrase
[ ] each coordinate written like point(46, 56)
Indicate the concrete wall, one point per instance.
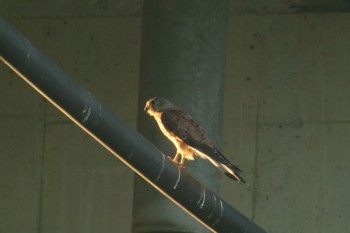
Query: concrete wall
point(286, 119)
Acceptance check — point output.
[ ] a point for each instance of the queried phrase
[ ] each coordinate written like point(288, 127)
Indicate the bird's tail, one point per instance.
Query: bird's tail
point(233, 172)
point(224, 165)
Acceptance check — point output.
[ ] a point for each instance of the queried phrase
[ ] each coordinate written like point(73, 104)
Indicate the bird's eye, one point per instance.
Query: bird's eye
point(152, 102)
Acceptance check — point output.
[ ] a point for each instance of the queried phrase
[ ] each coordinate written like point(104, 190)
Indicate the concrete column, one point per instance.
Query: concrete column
point(183, 54)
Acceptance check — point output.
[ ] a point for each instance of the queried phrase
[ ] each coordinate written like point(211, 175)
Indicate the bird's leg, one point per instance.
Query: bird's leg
point(176, 157)
point(182, 161)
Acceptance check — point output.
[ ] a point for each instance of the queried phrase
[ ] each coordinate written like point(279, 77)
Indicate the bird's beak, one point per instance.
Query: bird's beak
point(146, 108)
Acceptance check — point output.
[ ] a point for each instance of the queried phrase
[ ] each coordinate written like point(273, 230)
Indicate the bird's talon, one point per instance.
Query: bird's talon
point(178, 164)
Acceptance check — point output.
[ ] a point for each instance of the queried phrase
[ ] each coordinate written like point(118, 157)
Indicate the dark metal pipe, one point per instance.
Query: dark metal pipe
point(125, 143)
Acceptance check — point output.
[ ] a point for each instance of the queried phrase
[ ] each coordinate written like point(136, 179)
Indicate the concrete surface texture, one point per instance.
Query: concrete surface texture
point(286, 117)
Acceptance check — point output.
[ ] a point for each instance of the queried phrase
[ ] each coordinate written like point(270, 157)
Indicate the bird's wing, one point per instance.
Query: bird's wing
point(183, 126)
point(189, 131)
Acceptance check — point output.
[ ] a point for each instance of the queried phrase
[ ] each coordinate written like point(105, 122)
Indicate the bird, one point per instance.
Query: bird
point(188, 137)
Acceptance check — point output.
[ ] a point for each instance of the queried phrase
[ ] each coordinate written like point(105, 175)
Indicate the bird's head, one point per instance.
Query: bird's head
point(157, 104)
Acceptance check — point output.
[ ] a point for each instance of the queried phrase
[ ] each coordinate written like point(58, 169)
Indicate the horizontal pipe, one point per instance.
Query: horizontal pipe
point(125, 143)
